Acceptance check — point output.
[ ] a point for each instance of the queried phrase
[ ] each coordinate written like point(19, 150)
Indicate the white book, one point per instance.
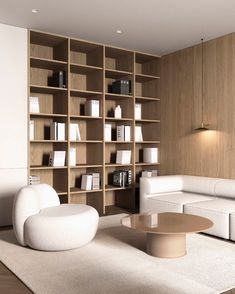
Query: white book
point(86, 182)
point(127, 133)
point(107, 132)
point(74, 132)
point(146, 174)
point(95, 181)
point(123, 157)
point(53, 131)
point(60, 131)
point(34, 104)
point(138, 134)
point(31, 130)
point(138, 110)
point(72, 157)
point(120, 133)
point(57, 158)
point(92, 108)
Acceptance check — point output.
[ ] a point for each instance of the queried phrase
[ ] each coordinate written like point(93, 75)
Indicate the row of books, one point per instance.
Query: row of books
point(90, 181)
point(123, 133)
point(58, 158)
point(122, 178)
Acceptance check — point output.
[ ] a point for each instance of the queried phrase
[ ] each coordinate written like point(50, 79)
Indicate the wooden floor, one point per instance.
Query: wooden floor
point(10, 284)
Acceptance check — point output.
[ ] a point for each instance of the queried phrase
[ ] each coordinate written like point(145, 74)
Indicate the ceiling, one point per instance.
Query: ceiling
point(154, 26)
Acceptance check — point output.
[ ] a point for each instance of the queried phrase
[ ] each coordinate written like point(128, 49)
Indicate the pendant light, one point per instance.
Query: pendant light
point(203, 126)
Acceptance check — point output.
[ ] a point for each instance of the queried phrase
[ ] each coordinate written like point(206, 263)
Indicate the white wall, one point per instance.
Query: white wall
point(13, 116)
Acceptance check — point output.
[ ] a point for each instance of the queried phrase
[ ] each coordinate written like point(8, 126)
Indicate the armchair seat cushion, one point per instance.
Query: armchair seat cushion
point(218, 211)
point(66, 226)
point(173, 202)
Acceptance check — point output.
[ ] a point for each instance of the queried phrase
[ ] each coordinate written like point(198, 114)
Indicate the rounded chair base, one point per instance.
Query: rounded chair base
point(62, 227)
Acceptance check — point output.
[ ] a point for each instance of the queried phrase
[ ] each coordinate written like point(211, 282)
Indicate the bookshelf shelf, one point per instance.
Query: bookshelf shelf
point(90, 70)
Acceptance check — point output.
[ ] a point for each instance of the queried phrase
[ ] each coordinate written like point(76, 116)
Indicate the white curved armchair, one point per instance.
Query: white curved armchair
point(39, 221)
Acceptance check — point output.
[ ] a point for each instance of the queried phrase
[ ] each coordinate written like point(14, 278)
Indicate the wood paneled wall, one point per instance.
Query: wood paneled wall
point(183, 150)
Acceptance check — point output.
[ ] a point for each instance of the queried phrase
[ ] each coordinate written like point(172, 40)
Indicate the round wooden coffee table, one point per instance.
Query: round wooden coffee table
point(166, 232)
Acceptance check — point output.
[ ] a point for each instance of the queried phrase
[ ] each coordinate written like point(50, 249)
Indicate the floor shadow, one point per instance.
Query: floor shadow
point(8, 237)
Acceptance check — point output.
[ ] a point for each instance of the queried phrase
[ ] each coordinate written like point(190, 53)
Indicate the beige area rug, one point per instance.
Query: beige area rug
point(115, 262)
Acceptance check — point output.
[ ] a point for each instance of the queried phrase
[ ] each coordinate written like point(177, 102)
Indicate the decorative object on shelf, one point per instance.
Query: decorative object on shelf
point(86, 182)
point(34, 104)
point(149, 173)
point(74, 132)
point(107, 132)
point(138, 134)
point(122, 178)
point(72, 157)
point(58, 79)
point(92, 108)
point(122, 87)
point(57, 131)
point(123, 157)
point(138, 111)
point(57, 158)
point(34, 180)
point(118, 112)
point(31, 130)
point(203, 125)
point(150, 155)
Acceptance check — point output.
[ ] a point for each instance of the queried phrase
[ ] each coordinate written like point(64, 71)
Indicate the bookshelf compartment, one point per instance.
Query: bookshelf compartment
point(86, 81)
point(88, 154)
point(89, 129)
point(139, 169)
point(120, 198)
point(149, 88)
point(43, 45)
point(111, 151)
point(94, 199)
point(109, 80)
point(147, 64)
point(42, 126)
point(147, 131)
point(114, 125)
point(150, 110)
point(77, 104)
point(39, 153)
point(139, 151)
point(125, 104)
point(56, 103)
point(86, 53)
point(58, 179)
point(109, 178)
point(118, 59)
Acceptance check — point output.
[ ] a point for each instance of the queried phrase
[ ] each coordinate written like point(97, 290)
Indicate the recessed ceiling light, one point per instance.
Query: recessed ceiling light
point(119, 31)
point(34, 10)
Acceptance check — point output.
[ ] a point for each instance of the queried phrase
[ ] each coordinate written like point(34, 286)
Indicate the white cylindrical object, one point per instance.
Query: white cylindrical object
point(150, 155)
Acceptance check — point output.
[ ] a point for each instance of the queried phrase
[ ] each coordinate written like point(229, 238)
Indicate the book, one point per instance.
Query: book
point(86, 182)
point(108, 132)
point(34, 104)
point(138, 134)
point(53, 131)
point(122, 178)
point(138, 111)
point(58, 79)
point(31, 130)
point(127, 133)
point(60, 131)
point(75, 132)
point(92, 108)
point(72, 157)
point(57, 158)
point(120, 87)
point(95, 181)
point(121, 133)
point(123, 157)
point(149, 173)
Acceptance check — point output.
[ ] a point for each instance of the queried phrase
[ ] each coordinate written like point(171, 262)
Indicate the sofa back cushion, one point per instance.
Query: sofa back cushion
point(225, 188)
point(200, 185)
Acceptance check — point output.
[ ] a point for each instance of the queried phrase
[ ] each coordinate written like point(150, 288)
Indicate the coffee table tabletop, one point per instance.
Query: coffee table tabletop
point(166, 232)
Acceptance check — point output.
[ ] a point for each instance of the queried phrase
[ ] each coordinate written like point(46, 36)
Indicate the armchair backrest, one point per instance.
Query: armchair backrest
point(29, 201)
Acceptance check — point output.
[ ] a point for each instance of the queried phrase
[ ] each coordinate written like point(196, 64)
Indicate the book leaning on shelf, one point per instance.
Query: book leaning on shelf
point(34, 104)
point(57, 158)
point(74, 132)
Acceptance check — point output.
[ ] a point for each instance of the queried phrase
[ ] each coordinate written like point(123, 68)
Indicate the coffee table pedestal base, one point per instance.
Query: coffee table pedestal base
point(166, 245)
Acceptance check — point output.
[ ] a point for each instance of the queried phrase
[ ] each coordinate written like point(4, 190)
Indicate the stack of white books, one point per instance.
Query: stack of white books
point(57, 131)
point(92, 108)
point(138, 134)
point(31, 130)
point(34, 180)
point(149, 173)
point(107, 132)
point(124, 133)
point(90, 181)
point(138, 111)
point(34, 104)
point(123, 157)
point(57, 158)
point(72, 157)
point(74, 132)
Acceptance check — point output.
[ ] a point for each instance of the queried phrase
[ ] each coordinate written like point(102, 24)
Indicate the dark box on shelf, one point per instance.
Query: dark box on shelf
point(122, 87)
point(58, 79)
point(122, 178)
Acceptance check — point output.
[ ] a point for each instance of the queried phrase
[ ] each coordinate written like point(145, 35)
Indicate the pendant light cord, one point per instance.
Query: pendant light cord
point(202, 82)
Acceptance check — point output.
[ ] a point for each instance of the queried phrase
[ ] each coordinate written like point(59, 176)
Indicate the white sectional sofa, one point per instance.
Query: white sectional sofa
point(213, 198)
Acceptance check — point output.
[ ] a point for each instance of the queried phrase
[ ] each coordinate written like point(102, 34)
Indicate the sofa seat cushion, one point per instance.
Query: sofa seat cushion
point(218, 211)
point(172, 202)
point(62, 227)
point(232, 226)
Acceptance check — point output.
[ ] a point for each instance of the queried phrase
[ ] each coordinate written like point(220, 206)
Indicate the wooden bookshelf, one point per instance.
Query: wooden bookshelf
point(90, 69)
